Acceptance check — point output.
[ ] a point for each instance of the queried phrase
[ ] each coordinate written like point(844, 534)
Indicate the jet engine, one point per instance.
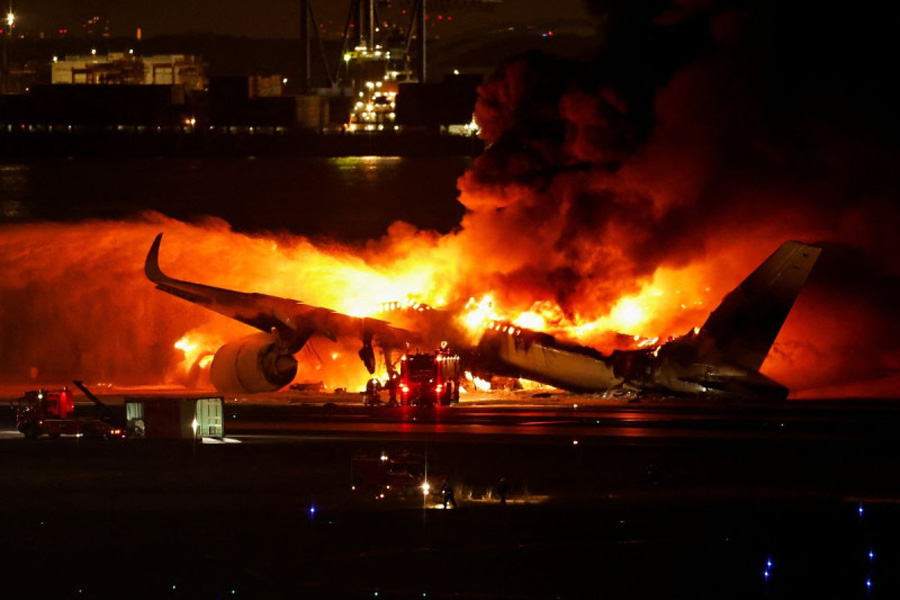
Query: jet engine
point(252, 365)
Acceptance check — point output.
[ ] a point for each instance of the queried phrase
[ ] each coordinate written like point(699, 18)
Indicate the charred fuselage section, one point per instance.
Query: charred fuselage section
point(721, 359)
point(675, 368)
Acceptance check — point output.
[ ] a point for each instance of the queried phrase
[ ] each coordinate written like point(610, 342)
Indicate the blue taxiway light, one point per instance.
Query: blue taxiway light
point(871, 554)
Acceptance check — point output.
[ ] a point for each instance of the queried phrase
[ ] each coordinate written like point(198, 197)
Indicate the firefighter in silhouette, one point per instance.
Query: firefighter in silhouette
point(392, 384)
point(373, 386)
point(652, 474)
point(447, 492)
point(502, 490)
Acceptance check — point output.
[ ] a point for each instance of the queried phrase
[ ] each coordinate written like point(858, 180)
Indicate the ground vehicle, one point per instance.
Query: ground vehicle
point(425, 379)
point(52, 413)
point(405, 475)
point(429, 378)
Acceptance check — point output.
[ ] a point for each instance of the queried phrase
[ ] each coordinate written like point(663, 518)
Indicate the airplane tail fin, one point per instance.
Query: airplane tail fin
point(745, 324)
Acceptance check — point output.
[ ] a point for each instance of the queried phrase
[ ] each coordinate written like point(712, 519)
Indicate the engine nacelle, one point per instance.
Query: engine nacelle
point(252, 365)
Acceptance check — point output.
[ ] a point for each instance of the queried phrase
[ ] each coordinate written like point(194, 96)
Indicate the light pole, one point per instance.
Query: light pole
point(7, 45)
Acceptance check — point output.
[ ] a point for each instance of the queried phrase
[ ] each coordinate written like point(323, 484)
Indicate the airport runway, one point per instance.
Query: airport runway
point(579, 418)
point(656, 500)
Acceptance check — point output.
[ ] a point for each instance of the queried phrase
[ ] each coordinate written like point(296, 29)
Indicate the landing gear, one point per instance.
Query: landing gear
point(367, 356)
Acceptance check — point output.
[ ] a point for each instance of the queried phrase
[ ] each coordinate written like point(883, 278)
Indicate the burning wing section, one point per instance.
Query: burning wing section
point(265, 362)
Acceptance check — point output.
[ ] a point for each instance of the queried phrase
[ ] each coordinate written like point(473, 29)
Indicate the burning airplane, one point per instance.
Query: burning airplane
point(720, 359)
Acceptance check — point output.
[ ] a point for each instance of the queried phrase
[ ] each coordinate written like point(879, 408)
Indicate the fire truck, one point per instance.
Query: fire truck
point(53, 413)
point(405, 475)
point(428, 378)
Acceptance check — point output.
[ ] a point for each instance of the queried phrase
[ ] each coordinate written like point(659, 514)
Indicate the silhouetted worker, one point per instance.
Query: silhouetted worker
point(391, 386)
point(652, 475)
point(502, 489)
point(372, 391)
point(447, 491)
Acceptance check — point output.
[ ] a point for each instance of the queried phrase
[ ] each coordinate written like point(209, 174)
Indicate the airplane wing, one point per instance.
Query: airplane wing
point(293, 320)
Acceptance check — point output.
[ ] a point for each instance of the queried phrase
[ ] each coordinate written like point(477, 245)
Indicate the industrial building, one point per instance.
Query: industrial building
point(128, 68)
point(378, 86)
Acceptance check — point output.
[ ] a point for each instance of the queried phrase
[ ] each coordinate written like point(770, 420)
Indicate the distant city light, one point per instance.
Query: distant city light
point(284, 81)
point(10, 19)
point(93, 52)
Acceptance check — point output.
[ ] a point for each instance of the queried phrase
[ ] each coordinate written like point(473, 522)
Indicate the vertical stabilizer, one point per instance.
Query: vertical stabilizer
point(745, 324)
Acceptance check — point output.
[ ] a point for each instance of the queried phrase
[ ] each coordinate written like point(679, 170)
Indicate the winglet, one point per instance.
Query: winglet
point(151, 265)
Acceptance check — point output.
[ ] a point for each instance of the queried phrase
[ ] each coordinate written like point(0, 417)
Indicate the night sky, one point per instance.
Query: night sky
point(267, 18)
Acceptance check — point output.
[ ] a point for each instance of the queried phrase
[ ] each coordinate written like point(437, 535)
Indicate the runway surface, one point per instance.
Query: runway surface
point(654, 500)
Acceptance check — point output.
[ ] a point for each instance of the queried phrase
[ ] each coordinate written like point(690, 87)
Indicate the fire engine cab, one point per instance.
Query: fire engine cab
point(406, 475)
point(429, 378)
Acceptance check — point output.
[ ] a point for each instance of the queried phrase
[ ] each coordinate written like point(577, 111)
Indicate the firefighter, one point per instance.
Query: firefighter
point(372, 388)
point(391, 385)
point(502, 489)
point(447, 492)
point(652, 474)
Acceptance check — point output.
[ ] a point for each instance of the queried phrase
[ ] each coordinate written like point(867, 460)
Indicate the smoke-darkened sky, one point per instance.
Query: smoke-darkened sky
point(265, 18)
